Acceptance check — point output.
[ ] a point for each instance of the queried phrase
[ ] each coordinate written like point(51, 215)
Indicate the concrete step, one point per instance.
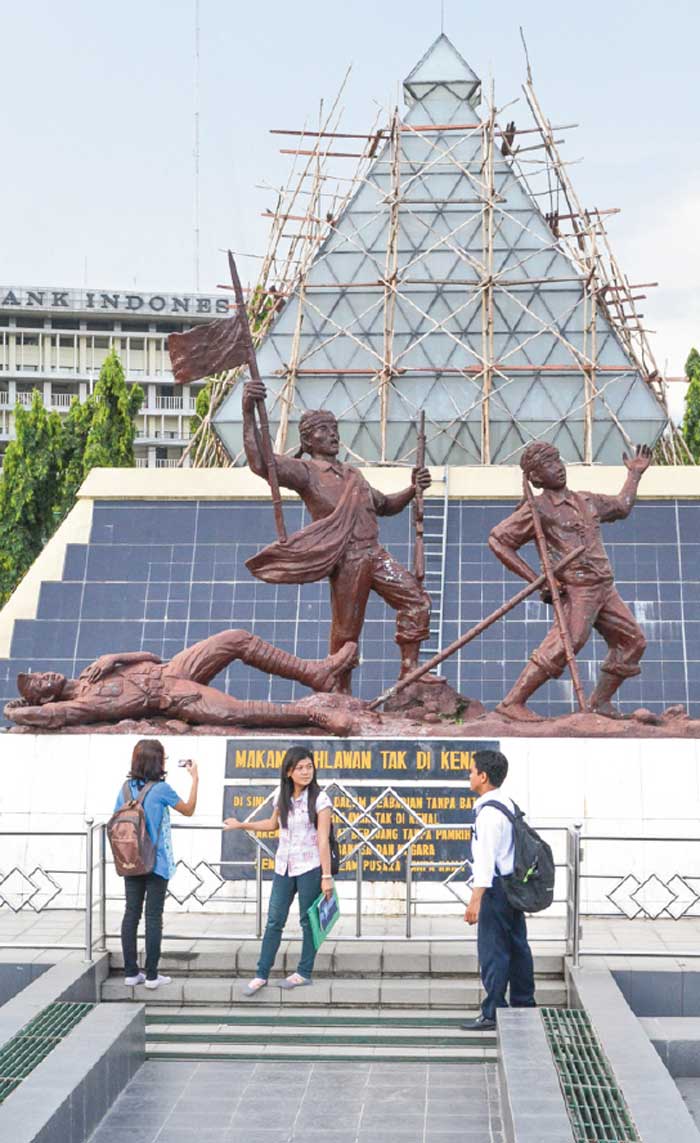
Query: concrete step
point(230, 1032)
point(410, 992)
point(346, 959)
point(377, 1055)
point(293, 1015)
point(234, 1034)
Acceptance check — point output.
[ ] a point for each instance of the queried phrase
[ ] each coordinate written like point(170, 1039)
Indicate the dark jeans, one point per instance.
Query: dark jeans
point(504, 954)
point(284, 890)
point(153, 888)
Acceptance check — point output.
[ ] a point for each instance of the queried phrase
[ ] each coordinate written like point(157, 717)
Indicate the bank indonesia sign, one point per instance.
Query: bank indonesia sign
point(110, 301)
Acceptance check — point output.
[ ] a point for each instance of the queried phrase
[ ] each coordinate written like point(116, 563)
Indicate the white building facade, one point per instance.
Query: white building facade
point(55, 341)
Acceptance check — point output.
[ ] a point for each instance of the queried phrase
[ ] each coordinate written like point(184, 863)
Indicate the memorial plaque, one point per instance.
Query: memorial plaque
point(390, 796)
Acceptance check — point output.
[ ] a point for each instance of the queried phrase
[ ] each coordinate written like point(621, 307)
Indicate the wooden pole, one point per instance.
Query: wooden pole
point(468, 636)
point(556, 595)
point(419, 506)
point(487, 296)
point(391, 263)
point(266, 443)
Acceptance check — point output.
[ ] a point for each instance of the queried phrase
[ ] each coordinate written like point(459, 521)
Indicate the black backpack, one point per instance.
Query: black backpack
point(530, 887)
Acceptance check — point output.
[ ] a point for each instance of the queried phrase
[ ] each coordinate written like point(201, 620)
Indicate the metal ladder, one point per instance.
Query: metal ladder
point(435, 547)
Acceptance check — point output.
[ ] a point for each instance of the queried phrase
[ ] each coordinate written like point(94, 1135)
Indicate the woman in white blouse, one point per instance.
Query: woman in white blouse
point(302, 813)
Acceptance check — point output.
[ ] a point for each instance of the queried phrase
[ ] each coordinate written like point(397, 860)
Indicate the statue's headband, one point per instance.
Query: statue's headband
point(313, 418)
point(535, 455)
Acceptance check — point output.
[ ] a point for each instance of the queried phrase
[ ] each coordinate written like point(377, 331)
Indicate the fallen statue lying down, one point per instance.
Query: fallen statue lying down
point(137, 684)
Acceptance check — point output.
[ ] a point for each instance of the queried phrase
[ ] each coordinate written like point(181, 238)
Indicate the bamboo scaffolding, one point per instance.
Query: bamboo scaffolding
point(487, 285)
point(397, 177)
point(390, 276)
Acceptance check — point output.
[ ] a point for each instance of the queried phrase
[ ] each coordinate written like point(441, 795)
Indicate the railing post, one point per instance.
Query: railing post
point(103, 887)
point(409, 888)
point(576, 894)
point(358, 895)
point(88, 888)
point(258, 891)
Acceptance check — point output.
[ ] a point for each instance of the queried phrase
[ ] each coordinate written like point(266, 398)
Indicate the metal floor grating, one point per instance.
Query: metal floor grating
point(595, 1104)
point(20, 1055)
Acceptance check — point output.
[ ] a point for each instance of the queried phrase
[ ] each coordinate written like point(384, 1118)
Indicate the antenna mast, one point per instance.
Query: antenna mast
point(196, 146)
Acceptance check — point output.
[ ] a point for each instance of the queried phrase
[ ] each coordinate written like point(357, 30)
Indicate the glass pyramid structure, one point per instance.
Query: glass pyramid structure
point(444, 286)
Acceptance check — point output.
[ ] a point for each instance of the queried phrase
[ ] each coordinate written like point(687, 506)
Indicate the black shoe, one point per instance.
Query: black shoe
point(480, 1024)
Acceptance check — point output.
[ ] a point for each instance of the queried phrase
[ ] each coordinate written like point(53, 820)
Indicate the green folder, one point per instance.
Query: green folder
point(323, 915)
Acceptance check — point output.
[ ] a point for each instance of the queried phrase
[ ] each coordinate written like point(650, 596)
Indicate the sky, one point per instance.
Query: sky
point(97, 109)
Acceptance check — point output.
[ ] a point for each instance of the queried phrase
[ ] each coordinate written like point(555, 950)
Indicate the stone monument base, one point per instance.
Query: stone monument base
point(423, 720)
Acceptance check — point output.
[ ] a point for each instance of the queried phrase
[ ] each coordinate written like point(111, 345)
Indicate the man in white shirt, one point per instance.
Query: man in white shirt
point(504, 954)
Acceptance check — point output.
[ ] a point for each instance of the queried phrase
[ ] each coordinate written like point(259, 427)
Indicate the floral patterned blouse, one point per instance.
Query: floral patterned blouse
point(297, 851)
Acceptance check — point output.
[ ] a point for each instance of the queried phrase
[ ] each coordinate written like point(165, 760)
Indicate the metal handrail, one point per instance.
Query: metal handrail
point(576, 851)
point(87, 871)
point(96, 896)
point(411, 865)
point(97, 857)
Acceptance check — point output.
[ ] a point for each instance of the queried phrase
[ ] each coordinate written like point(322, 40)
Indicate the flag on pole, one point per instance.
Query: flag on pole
point(208, 349)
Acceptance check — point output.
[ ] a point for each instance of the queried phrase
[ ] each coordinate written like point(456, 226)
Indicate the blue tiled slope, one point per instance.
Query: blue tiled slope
point(159, 576)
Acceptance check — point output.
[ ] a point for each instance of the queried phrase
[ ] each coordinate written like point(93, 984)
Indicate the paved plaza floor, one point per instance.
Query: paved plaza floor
point(176, 1102)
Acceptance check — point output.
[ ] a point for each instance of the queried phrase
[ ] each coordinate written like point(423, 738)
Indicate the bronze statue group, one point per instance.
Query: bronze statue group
point(342, 544)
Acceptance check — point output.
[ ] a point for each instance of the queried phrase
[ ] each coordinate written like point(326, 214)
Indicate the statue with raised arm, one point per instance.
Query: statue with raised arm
point(136, 684)
point(587, 589)
point(342, 543)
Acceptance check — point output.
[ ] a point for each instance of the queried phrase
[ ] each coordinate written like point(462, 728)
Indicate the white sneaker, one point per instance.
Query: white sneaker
point(132, 981)
point(157, 982)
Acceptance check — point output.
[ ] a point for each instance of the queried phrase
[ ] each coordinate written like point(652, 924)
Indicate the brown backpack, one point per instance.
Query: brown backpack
point(134, 852)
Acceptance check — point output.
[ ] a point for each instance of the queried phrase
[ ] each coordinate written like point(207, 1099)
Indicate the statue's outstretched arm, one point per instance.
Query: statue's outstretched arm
point(611, 508)
point(291, 472)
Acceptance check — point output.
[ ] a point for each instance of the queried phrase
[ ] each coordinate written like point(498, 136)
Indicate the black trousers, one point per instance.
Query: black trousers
point(153, 889)
point(504, 954)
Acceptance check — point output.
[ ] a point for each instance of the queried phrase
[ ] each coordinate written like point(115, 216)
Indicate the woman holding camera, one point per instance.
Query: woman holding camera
point(148, 766)
point(302, 813)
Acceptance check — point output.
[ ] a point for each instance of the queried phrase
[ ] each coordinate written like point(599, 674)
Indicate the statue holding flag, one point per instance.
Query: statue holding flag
point(342, 543)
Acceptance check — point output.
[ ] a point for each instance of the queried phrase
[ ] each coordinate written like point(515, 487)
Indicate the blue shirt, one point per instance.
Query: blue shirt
point(155, 807)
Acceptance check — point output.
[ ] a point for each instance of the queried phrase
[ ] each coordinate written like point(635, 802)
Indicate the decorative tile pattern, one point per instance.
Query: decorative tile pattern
point(654, 897)
point(160, 576)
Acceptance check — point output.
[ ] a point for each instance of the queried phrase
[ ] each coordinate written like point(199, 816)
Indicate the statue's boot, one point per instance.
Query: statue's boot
point(409, 662)
point(600, 699)
point(335, 718)
point(319, 674)
point(517, 712)
point(513, 705)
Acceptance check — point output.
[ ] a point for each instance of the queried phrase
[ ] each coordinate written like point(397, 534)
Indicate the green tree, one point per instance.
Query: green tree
point(49, 459)
point(110, 437)
point(28, 489)
point(71, 455)
point(691, 420)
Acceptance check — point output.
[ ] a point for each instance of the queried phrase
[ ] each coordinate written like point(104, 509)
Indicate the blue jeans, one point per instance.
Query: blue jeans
point(153, 888)
point(504, 954)
point(284, 889)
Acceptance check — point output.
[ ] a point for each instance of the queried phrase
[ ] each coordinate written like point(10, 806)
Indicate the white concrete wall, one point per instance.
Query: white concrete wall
point(639, 789)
